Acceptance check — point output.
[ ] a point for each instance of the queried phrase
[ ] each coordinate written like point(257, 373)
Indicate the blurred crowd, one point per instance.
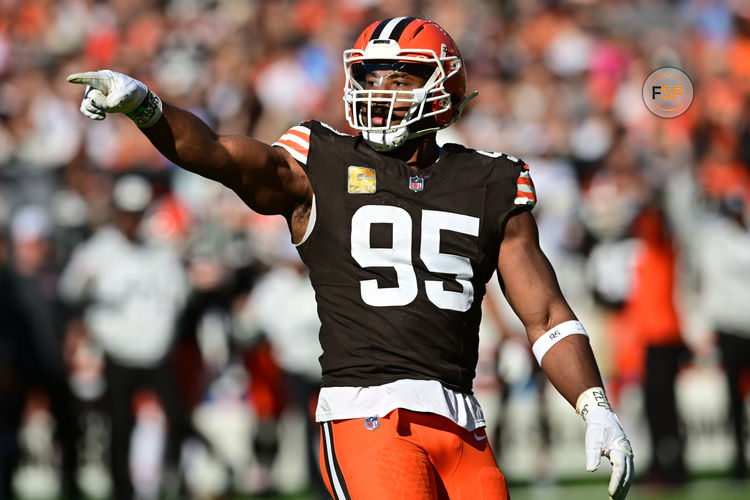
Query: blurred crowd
point(119, 271)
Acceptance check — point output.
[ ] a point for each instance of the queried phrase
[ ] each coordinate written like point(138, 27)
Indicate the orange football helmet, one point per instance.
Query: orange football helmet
point(411, 45)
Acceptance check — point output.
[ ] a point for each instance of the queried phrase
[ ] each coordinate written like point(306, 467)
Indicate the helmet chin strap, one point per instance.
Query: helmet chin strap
point(384, 140)
point(387, 140)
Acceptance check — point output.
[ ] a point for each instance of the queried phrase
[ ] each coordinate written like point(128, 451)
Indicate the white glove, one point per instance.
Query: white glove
point(112, 92)
point(605, 437)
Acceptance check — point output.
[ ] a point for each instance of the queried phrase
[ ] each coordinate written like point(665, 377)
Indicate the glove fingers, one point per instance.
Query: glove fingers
point(604, 436)
point(100, 80)
point(109, 91)
point(618, 473)
point(627, 479)
point(91, 111)
point(594, 448)
point(593, 458)
point(622, 474)
point(96, 99)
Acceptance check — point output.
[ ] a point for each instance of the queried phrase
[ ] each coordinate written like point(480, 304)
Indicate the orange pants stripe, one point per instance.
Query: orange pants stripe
point(408, 455)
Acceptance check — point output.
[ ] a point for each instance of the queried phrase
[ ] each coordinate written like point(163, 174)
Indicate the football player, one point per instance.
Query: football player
point(400, 236)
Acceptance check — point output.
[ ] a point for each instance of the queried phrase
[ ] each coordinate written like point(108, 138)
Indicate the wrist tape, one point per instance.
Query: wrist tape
point(555, 335)
point(591, 398)
point(148, 112)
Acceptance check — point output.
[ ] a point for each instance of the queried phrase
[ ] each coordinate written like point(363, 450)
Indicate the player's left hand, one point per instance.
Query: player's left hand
point(605, 437)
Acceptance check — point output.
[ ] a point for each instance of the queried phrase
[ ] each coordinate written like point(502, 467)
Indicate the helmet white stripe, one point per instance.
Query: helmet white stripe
point(386, 33)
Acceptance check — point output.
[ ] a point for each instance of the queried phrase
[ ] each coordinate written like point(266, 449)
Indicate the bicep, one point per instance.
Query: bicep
point(529, 282)
point(266, 178)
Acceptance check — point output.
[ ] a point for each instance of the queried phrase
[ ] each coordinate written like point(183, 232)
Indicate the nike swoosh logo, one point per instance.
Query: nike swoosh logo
point(479, 437)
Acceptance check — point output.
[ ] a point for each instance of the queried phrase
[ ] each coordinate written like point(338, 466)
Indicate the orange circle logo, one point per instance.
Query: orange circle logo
point(668, 92)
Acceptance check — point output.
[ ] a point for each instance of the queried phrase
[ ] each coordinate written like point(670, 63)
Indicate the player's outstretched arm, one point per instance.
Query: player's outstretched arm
point(562, 347)
point(268, 179)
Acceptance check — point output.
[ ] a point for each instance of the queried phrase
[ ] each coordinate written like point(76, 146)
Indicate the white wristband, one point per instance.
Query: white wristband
point(591, 398)
point(148, 112)
point(555, 335)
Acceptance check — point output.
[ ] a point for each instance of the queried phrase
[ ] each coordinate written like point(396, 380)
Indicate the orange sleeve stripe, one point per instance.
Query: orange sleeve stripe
point(525, 180)
point(293, 145)
point(304, 136)
point(530, 196)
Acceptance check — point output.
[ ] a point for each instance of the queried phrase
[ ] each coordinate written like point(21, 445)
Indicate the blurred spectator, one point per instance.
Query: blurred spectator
point(131, 291)
point(12, 350)
point(616, 192)
point(654, 326)
point(725, 274)
point(34, 290)
point(282, 308)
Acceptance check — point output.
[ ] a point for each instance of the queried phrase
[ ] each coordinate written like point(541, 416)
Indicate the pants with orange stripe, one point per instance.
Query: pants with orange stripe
point(408, 455)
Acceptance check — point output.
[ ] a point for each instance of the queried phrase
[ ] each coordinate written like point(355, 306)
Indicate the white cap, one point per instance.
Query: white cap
point(30, 223)
point(132, 193)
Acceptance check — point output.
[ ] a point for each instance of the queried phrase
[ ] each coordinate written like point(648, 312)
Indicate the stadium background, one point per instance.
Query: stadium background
point(560, 86)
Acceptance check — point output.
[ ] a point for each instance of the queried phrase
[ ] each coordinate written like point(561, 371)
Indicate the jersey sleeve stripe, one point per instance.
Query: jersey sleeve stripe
point(301, 132)
point(524, 199)
point(298, 152)
point(525, 192)
point(296, 141)
point(292, 138)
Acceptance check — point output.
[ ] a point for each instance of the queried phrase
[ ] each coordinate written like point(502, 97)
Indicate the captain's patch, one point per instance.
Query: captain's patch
point(361, 180)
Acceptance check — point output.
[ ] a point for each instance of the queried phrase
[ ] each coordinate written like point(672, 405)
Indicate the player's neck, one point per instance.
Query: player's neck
point(419, 153)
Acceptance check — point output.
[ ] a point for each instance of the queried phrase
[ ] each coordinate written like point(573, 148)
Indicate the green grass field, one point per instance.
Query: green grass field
point(698, 489)
point(706, 489)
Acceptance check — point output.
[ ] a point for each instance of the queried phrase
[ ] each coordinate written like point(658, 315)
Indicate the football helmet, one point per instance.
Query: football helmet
point(409, 45)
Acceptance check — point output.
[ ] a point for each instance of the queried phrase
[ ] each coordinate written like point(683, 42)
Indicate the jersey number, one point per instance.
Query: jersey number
point(398, 256)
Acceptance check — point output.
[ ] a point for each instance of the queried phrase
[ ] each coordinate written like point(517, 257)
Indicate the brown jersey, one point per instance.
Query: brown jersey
point(399, 259)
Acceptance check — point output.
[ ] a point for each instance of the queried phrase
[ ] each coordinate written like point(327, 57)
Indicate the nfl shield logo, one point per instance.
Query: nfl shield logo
point(416, 184)
point(372, 423)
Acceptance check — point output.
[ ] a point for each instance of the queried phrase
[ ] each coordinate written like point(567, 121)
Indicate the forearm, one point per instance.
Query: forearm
point(535, 296)
point(571, 367)
point(568, 362)
point(268, 180)
point(189, 143)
